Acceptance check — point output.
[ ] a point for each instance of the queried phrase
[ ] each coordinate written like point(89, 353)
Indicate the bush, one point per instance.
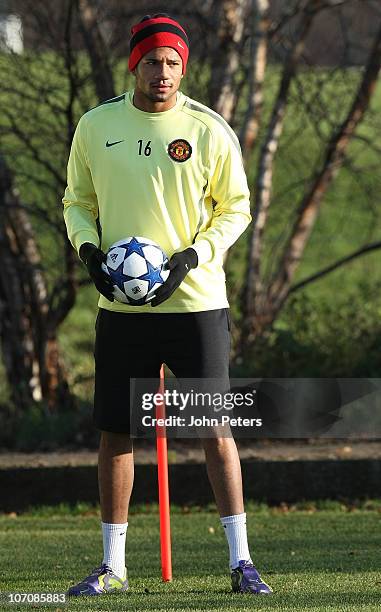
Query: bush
point(39, 430)
point(316, 338)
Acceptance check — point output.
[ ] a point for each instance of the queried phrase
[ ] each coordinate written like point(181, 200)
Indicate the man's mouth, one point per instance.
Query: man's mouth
point(161, 87)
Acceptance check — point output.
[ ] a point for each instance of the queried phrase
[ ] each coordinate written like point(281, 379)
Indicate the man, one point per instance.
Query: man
point(157, 164)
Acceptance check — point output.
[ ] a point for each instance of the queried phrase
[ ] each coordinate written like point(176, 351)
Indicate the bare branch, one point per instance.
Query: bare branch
point(287, 16)
point(344, 260)
point(265, 170)
point(71, 71)
point(23, 137)
point(310, 205)
point(370, 143)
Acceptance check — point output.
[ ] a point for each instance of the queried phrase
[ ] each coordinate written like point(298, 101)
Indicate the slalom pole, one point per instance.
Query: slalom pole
point(162, 472)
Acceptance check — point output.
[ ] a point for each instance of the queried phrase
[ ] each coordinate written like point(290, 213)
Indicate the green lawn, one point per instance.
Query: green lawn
point(314, 560)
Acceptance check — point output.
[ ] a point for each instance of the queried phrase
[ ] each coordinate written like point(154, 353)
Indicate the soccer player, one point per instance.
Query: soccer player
point(155, 163)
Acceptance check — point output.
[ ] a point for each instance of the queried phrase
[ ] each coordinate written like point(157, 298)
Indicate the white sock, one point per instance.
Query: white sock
point(114, 546)
point(236, 535)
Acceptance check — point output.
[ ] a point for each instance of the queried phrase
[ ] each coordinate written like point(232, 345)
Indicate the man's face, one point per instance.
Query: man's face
point(158, 74)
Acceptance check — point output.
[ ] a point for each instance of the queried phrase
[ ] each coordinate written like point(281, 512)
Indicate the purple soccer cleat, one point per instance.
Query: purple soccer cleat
point(246, 579)
point(101, 580)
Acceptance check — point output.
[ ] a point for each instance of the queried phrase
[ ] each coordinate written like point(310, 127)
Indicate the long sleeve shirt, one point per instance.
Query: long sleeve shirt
point(175, 177)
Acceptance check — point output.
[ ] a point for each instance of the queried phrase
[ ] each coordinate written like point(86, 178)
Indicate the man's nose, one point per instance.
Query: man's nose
point(163, 70)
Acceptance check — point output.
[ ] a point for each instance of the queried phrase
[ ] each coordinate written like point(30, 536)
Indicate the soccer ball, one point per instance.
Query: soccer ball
point(137, 267)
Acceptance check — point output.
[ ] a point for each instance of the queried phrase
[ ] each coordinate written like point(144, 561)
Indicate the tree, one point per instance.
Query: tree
point(75, 51)
point(264, 62)
point(230, 23)
point(29, 321)
point(263, 297)
point(43, 93)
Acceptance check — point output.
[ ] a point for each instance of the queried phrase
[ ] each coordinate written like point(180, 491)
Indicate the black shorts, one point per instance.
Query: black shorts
point(128, 345)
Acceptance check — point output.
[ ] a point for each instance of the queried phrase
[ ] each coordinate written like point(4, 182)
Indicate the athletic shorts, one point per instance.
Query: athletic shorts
point(127, 345)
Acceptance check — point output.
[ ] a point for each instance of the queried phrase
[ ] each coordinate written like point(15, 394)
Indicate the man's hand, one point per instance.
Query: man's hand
point(179, 266)
point(93, 258)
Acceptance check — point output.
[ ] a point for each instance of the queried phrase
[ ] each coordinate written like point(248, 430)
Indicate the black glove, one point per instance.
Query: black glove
point(93, 258)
point(179, 266)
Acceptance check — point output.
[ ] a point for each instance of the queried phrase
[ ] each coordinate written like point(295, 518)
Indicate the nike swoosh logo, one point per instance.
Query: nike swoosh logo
point(180, 45)
point(111, 144)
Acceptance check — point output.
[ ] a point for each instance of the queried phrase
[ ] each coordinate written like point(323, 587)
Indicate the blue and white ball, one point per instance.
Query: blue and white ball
point(137, 267)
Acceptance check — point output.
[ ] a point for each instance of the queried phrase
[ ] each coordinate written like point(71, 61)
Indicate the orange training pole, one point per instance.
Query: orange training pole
point(162, 472)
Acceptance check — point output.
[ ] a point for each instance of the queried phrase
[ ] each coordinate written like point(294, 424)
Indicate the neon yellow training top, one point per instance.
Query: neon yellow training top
point(175, 177)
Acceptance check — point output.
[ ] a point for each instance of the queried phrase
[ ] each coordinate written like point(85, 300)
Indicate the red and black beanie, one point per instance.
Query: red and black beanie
point(157, 31)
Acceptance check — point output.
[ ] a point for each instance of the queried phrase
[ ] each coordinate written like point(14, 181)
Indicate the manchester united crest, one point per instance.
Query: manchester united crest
point(179, 150)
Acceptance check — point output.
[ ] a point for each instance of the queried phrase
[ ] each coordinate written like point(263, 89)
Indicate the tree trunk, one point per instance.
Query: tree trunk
point(226, 61)
point(29, 342)
point(257, 67)
point(97, 49)
point(310, 206)
point(263, 304)
point(255, 312)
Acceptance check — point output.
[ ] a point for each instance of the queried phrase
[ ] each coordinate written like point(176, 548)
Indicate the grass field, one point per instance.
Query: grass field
point(313, 559)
